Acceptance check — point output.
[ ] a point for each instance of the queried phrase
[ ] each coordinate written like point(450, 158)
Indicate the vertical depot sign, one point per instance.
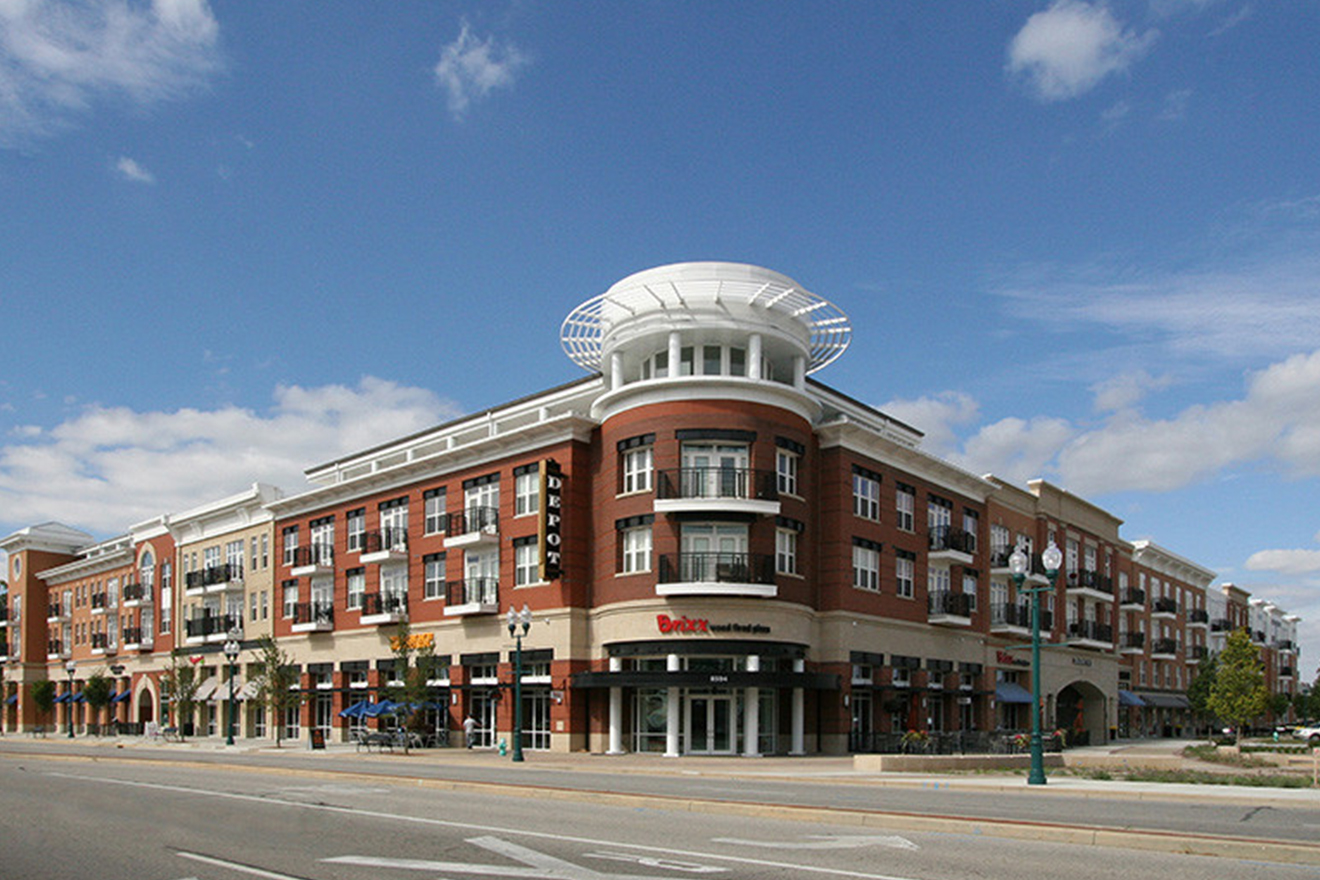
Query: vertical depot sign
point(550, 539)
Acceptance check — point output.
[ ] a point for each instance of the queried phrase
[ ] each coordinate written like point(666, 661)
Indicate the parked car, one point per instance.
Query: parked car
point(1311, 734)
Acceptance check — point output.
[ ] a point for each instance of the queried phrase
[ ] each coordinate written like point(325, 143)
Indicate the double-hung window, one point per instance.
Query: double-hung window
point(904, 573)
point(435, 501)
point(866, 493)
point(635, 548)
point(866, 565)
point(526, 490)
point(786, 550)
point(637, 470)
point(787, 458)
point(290, 544)
point(905, 503)
point(290, 597)
point(435, 576)
point(355, 524)
point(356, 587)
point(526, 561)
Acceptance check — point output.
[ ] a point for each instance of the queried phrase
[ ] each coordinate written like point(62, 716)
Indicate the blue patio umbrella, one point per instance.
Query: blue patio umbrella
point(357, 710)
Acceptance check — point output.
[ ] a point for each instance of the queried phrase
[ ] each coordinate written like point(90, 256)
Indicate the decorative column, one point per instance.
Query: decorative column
point(752, 713)
point(675, 353)
point(616, 711)
point(799, 746)
point(754, 356)
point(672, 705)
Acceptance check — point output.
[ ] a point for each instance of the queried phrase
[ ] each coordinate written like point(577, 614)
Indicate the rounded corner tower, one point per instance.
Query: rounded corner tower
point(716, 327)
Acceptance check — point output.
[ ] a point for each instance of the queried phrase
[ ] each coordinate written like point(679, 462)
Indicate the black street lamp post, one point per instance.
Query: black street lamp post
point(518, 619)
point(72, 667)
point(232, 647)
point(1018, 563)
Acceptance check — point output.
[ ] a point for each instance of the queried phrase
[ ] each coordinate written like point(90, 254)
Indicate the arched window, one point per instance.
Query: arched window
point(147, 569)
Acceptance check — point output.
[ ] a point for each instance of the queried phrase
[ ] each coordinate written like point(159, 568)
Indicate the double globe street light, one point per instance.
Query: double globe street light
point(1018, 563)
point(232, 648)
point(518, 619)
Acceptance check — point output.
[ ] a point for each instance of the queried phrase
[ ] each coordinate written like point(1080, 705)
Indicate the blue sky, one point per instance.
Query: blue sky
point(1076, 240)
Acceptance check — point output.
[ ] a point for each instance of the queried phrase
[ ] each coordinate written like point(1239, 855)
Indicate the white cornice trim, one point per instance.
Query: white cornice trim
point(865, 441)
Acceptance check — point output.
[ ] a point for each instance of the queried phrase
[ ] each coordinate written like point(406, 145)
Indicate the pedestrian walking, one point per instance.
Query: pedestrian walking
point(470, 730)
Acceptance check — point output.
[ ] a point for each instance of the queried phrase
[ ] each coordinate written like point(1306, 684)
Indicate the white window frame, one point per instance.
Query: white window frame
point(636, 544)
point(866, 568)
point(436, 508)
point(290, 545)
point(355, 529)
point(969, 585)
point(905, 504)
point(637, 470)
point(786, 551)
point(904, 577)
point(786, 471)
point(289, 598)
point(866, 497)
point(526, 493)
point(433, 587)
point(526, 564)
point(394, 580)
point(356, 587)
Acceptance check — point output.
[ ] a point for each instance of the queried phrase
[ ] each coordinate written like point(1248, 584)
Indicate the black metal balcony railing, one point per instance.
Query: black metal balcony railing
point(1091, 631)
point(316, 554)
point(133, 635)
point(1164, 646)
point(313, 612)
point(54, 647)
point(1221, 624)
point(393, 539)
point(1010, 614)
point(473, 519)
point(1281, 644)
point(1132, 596)
point(949, 602)
point(54, 609)
point(1284, 671)
point(100, 641)
point(1198, 615)
point(99, 601)
point(1091, 580)
point(712, 568)
point(135, 592)
point(384, 603)
point(1258, 636)
point(1165, 605)
point(212, 625)
point(745, 484)
point(1198, 652)
point(473, 591)
point(952, 538)
point(1133, 640)
point(216, 574)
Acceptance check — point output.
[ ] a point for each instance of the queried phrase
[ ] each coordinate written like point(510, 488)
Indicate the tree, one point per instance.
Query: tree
point(179, 684)
point(276, 683)
point(414, 662)
point(1280, 703)
point(1198, 692)
point(1238, 694)
point(96, 692)
point(43, 696)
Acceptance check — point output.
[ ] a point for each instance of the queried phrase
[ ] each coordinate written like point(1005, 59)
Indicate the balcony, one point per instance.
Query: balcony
point(1009, 618)
point(211, 627)
point(99, 602)
point(474, 527)
point(1282, 644)
point(135, 638)
point(216, 579)
point(1090, 634)
point(717, 574)
point(1164, 649)
point(1091, 584)
point(310, 617)
point(385, 545)
point(1197, 653)
point(379, 609)
point(472, 596)
point(1199, 618)
point(1286, 672)
point(136, 595)
point(101, 644)
point(947, 608)
point(58, 650)
point(56, 611)
point(1258, 636)
point(717, 490)
point(313, 560)
point(1221, 624)
point(4, 615)
point(952, 544)
point(1132, 600)
point(1131, 643)
point(1164, 608)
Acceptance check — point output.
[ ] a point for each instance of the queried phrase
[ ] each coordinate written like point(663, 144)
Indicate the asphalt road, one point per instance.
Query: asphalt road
point(68, 817)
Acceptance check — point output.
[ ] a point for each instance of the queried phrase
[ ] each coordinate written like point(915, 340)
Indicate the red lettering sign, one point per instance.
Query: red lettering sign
point(683, 624)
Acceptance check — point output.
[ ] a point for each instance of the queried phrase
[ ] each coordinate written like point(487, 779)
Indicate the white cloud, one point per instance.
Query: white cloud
point(1014, 449)
point(108, 467)
point(129, 169)
point(59, 59)
point(936, 417)
point(1066, 50)
point(1126, 390)
point(1289, 562)
point(1175, 105)
point(471, 68)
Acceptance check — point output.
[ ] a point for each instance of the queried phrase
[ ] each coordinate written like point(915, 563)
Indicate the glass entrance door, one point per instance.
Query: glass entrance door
point(710, 724)
point(713, 471)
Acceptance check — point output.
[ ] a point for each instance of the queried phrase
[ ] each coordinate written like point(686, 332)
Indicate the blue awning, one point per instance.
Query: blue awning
point(1127, 698)
point(62, 698)
point(12, 700)
point(121, 696)
point(1010, 692)
point(79, 698)
point(357, 710)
